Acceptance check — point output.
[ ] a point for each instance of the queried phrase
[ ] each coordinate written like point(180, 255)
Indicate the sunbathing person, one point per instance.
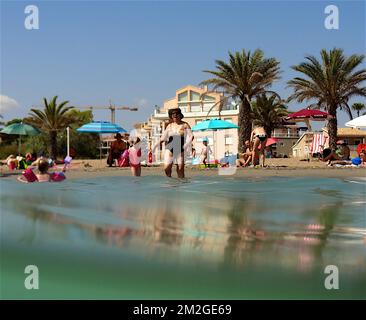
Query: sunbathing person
point(246, 156)
point(342, 153)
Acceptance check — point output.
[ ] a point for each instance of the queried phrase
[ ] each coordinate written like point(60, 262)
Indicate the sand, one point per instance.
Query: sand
point(276, 167)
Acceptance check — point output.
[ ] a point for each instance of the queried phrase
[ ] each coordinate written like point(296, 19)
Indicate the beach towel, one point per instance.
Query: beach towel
point(317, 144)
point(123, 160)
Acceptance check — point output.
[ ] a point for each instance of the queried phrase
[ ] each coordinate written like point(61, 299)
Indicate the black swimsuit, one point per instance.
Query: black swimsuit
point(173, 141)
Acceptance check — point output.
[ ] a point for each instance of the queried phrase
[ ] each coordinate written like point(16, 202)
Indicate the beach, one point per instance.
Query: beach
point(291, 167)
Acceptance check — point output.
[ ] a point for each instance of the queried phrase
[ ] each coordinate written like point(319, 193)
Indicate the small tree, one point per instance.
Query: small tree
point(268, 112)
point(358, 106)
point(51, 120)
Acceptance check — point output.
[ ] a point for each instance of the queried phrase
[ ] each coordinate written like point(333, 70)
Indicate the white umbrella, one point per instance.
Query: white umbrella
point(359, 122)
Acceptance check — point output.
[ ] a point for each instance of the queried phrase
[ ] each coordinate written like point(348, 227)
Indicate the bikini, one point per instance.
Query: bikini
point(261, 137)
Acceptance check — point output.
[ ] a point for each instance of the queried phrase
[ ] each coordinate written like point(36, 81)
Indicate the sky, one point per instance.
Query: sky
point(138, 53)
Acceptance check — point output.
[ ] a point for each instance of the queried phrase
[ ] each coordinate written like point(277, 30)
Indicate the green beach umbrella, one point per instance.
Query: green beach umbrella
point(20, 129)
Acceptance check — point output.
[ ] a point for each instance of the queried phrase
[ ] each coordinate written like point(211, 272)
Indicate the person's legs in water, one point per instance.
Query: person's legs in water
point(180, 166)
point(168, 163)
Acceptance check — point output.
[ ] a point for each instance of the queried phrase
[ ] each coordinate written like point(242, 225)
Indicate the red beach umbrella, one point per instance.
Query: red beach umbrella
point(307, 114)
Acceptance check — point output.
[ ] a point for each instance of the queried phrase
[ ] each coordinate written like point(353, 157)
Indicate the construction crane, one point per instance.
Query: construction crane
point(111, 107)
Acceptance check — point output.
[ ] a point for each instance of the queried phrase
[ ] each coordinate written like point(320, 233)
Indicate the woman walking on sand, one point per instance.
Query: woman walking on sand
point(259, 138)
point(178, 137)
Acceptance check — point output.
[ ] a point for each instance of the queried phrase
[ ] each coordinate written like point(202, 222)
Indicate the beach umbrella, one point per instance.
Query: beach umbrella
point(214, 125)
point(270, 141)
point(20, 129)
point(307, 114)
point(101, 127)
point(359, 122)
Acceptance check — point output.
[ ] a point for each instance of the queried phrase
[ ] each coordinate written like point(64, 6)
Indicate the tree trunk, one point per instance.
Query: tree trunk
point(53, 144)
point(332, 128)
point(245, 123)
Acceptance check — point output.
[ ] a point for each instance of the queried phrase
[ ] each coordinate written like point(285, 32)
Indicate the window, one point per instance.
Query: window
point(228, 140)
point(195, 96)
point(208, 98)
point(182, 97)
point(195, 107)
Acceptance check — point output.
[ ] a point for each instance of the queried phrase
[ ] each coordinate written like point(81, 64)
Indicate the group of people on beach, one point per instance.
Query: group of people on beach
point(178, 139)
point(253, 149)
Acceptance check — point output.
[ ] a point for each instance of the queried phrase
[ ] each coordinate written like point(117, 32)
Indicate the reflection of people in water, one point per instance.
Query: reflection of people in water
point(178, 137)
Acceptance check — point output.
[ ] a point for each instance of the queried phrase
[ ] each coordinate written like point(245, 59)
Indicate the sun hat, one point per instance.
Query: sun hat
point(175, 110)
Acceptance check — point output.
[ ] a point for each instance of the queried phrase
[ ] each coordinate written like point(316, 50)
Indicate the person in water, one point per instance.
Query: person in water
point(134, 153)
point(259, 138)
point(178, 138)
point(116, 150)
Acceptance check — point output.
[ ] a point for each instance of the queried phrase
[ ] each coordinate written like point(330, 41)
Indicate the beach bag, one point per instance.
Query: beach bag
point(57, 176)
point(29, 175)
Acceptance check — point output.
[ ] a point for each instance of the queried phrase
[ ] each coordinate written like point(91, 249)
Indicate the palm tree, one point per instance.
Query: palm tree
point(268, 112)
point(54, 118)
point(331, 82)
point(358, 106)
point(245, 76)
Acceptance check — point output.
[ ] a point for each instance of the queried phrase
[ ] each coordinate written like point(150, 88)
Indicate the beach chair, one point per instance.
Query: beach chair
point(317, 144)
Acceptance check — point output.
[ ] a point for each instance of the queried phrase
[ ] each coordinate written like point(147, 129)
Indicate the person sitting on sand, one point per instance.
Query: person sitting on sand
point(178, 137)
point(116, 150)
point(342, 153)
point(246, 156)
point(259, 138)
point(205, 151)
point(135, 156)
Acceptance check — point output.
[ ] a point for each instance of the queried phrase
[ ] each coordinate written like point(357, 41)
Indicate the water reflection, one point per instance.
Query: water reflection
point(236, 229)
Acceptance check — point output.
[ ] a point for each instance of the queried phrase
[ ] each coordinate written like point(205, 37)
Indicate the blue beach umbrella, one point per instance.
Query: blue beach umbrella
point(101, 127)
point(214, 125)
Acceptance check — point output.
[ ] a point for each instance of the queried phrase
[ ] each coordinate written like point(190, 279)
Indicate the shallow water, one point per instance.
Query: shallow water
point(153, 237)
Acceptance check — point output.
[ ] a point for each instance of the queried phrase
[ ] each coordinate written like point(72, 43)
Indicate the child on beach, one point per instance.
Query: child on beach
point(135, 156)
point(205, 151)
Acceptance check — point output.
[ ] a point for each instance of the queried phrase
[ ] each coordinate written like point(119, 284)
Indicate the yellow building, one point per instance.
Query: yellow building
point(195, 103)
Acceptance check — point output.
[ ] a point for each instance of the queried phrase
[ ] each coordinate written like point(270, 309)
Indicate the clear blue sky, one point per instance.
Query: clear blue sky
point(140, 52)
